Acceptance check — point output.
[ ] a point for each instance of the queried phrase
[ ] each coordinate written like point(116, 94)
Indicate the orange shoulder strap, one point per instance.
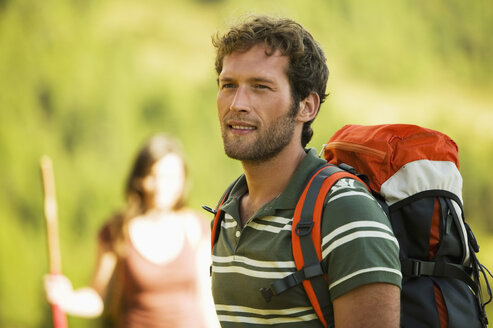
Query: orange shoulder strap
point(306, 235)
point(218, 217)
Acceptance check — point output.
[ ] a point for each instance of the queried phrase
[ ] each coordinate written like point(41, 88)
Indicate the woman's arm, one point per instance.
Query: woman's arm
point(204, 262)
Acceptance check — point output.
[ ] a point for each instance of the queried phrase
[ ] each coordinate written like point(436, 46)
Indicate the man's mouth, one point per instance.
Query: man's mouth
point(242, 127)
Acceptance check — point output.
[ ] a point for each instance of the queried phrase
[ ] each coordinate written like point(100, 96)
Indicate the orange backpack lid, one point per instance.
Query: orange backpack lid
point(383, 149)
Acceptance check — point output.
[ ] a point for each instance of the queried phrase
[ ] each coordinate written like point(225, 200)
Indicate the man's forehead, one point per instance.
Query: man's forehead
point(256, 58)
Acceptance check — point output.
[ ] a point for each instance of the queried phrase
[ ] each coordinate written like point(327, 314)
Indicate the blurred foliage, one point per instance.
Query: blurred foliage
point(86, 82)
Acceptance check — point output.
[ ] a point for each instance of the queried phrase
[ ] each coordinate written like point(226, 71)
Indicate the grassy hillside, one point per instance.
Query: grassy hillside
point(87, 81)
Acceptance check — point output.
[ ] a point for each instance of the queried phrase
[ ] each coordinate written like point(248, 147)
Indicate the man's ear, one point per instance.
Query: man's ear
point(309, 107)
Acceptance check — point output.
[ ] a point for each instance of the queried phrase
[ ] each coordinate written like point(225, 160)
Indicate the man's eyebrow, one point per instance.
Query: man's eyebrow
point(224, 79)
point(261, 79)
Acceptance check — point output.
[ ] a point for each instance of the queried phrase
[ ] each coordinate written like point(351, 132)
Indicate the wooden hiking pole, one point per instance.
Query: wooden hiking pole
point(51, 217)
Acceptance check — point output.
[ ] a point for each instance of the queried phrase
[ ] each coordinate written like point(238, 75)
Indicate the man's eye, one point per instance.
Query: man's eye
point(227, 86)
point(261, 86)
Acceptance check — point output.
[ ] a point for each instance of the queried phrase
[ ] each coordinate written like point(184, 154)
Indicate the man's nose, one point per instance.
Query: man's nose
point(241, 101)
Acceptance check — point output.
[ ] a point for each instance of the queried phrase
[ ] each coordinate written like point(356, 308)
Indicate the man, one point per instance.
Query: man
point(272, 77)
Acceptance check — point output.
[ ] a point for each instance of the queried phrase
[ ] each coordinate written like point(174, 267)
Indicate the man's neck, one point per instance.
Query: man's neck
point(266, 180)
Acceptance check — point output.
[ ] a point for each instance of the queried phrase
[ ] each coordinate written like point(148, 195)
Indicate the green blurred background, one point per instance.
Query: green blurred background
point(86, 81)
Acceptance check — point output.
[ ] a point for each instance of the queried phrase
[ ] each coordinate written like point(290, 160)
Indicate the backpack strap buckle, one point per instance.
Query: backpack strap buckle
point(416, 268)
point(304, 228)
point(267, 293)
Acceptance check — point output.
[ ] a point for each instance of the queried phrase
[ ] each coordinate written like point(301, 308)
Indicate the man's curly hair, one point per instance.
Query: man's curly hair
point(307, 71)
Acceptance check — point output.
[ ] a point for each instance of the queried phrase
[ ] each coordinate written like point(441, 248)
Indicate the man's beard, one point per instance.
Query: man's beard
point(267, 144)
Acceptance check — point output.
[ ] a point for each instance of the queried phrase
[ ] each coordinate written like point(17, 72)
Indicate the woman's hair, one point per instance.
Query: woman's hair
point(307, 71)
point(154, 149)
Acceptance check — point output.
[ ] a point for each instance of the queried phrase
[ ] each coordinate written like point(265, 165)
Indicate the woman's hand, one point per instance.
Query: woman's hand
point(83, 302)
point(58, 289)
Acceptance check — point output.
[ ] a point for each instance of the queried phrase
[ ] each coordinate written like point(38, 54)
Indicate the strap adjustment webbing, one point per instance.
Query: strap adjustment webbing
point(417, 268)
point(296, 278)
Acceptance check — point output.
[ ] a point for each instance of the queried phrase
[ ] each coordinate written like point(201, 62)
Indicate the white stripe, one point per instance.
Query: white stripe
point(228, 222)
point(277, 219)
point(246, 309)
point(250, 273)
point(356, 273)
point(260, 264)
point(229, 225)
point(354, 225)
point(262, 321)
point(357, 235)
point(422, 175)
point(268, 228)
point(345, 183)
point(350, 193)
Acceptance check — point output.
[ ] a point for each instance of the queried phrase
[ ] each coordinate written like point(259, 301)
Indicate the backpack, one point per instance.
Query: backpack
point(413, 173)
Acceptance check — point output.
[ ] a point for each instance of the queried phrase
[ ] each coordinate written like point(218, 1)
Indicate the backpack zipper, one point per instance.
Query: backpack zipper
point(348, 146)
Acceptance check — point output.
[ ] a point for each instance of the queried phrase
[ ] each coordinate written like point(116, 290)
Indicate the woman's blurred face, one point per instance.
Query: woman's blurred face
point(165, 183)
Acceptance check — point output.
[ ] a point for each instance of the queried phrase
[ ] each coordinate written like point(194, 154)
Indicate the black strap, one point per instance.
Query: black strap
point(418, 268)
point(473, 242)
point(305, 225)
point(424, 194)
point(294, 279)
point(458, 220)
point(478, 270)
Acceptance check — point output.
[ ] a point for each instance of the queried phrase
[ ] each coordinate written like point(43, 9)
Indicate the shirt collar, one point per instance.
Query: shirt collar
point(287, 199)
point(290, 195)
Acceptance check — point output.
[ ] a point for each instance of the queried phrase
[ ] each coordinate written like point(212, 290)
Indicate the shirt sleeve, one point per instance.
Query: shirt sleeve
point(358, 245)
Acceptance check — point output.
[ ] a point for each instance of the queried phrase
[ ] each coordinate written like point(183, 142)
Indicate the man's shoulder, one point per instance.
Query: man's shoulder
point(348, 201)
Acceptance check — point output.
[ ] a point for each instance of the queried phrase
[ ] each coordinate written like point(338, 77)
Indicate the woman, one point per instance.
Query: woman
point(152, 264)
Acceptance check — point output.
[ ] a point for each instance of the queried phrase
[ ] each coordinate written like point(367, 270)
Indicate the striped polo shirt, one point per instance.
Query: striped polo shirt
point(358, 247)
